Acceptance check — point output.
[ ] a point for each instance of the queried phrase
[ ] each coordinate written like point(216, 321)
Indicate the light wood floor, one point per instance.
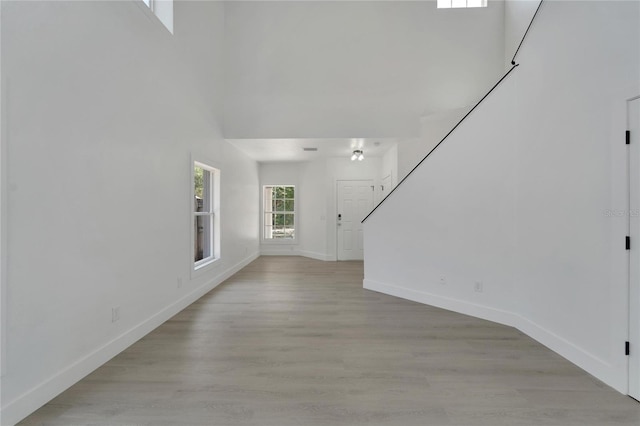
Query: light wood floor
point(294, 341)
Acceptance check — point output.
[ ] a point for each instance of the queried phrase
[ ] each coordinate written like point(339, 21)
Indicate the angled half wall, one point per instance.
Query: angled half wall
point(511, 211)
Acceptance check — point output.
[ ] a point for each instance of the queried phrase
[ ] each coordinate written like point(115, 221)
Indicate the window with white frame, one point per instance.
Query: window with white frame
point(453, 4)
point(163, 9)
point(206, 218)
point(279, 212)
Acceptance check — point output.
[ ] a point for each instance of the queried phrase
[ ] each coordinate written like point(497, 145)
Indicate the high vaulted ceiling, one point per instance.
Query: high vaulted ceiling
point(353, 69)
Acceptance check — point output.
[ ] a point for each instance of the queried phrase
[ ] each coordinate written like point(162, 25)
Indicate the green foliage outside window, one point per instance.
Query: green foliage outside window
point(279, 208)
point(198, 178)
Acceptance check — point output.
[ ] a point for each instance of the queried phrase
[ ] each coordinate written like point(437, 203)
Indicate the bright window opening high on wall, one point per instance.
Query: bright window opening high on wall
point(453, 4)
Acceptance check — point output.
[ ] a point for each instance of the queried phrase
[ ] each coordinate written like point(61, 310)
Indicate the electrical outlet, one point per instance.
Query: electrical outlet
point(443, 280)
point(115, 314)
point(179, 282)
point(478, 286)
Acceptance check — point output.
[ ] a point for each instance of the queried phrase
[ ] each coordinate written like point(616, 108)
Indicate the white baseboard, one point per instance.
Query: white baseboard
point(597, 367)
point(295, 252)
point(580, 357)
point(467, 308)
point(279, 252)
point(316, 255)
point(35, 398)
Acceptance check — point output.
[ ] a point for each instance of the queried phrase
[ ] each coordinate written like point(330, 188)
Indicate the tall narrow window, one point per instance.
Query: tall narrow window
point(206, 220)
point(279, 212)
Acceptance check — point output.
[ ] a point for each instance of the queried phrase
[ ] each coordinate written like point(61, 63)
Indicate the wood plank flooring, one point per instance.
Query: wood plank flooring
point(295, 341)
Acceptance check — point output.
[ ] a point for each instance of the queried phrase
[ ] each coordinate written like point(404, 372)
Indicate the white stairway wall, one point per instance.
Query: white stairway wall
point(433, 128)
point(104, 111)
point(517, 17)
point(516, 198)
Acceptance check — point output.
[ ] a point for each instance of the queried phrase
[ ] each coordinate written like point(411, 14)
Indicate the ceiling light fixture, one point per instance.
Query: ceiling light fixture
point(357, 155)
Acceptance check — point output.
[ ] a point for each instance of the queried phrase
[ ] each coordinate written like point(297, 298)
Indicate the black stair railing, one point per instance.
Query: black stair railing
point(513, 61)
point(514, 65)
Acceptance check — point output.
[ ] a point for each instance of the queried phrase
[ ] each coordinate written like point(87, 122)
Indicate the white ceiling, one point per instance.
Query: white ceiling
point(324, 69)
point(282, 150)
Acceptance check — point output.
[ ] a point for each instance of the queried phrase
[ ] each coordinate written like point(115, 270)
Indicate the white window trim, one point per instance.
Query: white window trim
point(203, 264)
point(159, 10)
point(279, 241)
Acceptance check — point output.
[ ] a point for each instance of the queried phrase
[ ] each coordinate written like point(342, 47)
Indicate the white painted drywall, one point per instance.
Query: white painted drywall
point(354, 69)
point(517, 196)
point(390, 166)
point(105, 109)
point(433, 128)
point(517, 17)
point(313, 209)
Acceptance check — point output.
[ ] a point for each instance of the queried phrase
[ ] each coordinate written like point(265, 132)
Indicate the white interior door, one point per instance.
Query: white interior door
point(634, 264)
point(355, 201)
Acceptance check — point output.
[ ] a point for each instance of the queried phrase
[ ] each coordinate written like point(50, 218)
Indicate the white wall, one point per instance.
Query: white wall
point(313, 210)
point(390, 166)
point(517, 17)
point(325, 69)
point(516, 197)
point(433, 128)
point(104, 111)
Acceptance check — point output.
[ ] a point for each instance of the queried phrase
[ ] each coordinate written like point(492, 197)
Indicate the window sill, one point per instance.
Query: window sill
point(203, 268)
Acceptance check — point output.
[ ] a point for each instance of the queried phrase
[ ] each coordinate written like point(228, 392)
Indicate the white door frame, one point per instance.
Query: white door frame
point(633, 308)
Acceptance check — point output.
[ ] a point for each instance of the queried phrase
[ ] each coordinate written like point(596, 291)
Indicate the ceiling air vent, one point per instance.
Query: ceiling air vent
point(310, 149)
